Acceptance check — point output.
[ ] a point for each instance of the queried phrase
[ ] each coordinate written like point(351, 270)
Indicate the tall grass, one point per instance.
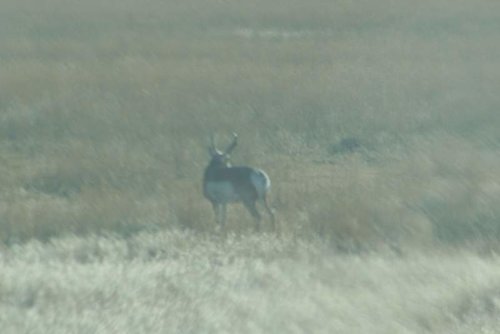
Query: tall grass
point(188, 282)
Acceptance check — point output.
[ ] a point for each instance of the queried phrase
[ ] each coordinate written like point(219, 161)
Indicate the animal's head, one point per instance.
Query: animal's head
point(221, 158)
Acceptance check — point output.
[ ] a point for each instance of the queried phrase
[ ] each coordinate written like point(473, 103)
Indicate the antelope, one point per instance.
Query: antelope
point(223, 184)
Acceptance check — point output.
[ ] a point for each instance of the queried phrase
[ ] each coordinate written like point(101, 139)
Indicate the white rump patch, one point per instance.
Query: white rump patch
point(261, 182)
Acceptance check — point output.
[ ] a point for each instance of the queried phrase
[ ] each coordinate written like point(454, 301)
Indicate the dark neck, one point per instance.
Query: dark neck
point(214, 169)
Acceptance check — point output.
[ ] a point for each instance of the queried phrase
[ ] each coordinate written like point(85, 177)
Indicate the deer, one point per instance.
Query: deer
point(224, 184)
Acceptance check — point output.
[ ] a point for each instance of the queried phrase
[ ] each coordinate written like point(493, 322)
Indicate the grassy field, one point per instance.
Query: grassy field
point(376, 120)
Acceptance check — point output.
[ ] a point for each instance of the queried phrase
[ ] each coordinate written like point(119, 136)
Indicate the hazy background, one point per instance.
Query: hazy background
point(377, 122)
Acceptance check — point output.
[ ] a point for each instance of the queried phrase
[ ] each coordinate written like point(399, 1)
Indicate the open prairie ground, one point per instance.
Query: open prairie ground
point(378, 122)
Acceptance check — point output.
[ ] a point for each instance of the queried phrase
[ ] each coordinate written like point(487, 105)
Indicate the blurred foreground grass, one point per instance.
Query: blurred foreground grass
point(188, 282)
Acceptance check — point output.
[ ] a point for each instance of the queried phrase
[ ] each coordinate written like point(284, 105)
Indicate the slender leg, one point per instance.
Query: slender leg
point(217, 211)
point(270, 211)
point(223, 216)
point(250, 205)
point(220, 214)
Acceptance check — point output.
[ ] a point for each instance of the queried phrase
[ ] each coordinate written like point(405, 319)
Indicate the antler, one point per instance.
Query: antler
point(211, 148)
point(233, 144)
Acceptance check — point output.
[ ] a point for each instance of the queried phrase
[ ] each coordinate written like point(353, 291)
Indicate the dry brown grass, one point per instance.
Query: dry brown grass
point(106, 108)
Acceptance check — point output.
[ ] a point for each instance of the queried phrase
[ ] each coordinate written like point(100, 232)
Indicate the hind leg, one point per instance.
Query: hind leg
point(252, 208)
point(270, 212)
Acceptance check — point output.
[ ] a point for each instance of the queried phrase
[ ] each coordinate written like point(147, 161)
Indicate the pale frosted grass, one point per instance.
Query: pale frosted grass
point(183, 282)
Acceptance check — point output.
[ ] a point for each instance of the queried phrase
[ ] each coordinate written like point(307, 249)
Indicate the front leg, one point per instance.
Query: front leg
point(220, 214)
